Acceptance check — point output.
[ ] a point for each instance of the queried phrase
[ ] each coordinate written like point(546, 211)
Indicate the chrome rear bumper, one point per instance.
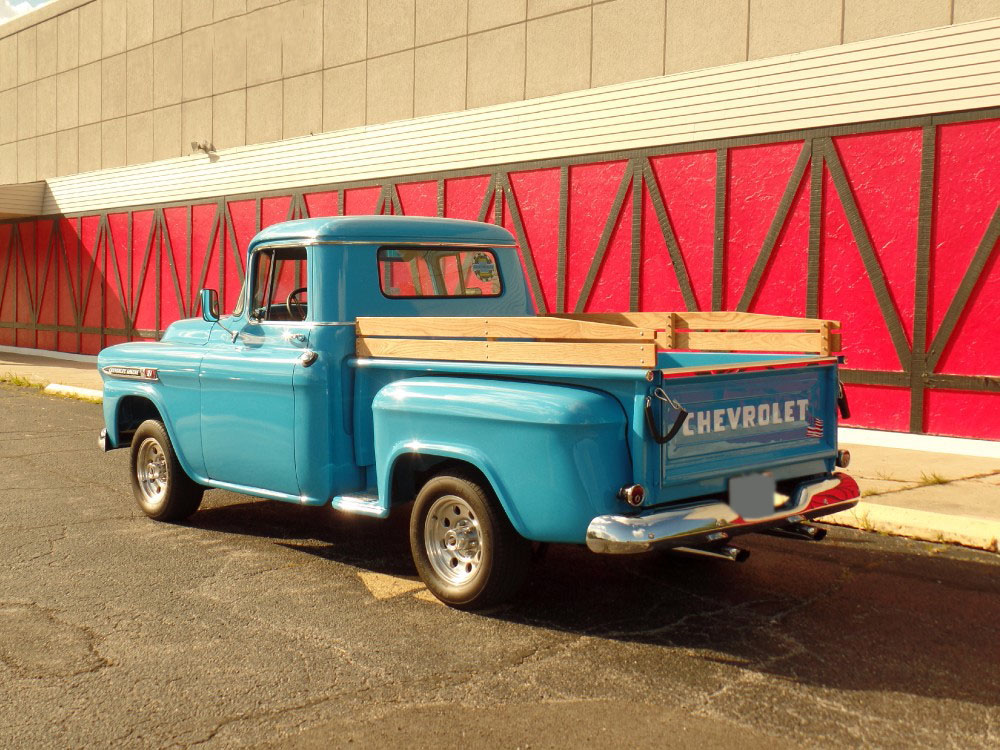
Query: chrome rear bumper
point(714, 521)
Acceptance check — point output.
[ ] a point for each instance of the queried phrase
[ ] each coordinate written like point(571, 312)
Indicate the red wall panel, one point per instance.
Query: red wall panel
point(94, 287)
point(659, 288)
point(687, 183)
point(614, 276)
point(175, 298)
point(963, 414)
point(967, 195)
point(463, 196)
point(418, 198)
point(846, 293)
point(322, 203)
point(361, 200)
point(536, 194)
point(45, 296)
point(879, 406)
point(591, 193)
point(69, 262)
point(757, 178)
point(883, 170)
point(782, 289)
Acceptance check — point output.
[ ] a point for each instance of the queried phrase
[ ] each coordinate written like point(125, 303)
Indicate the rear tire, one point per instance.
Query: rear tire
point(464, 546)
point(161, 488)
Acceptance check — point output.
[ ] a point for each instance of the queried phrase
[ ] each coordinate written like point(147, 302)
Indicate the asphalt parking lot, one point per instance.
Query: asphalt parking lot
point(263, 624)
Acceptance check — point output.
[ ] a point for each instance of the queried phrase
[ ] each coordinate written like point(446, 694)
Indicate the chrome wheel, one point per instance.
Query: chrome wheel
point(452, 540)
point(151, 471)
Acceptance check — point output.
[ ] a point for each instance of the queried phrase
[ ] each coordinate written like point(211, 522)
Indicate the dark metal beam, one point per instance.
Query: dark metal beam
point(921, 277)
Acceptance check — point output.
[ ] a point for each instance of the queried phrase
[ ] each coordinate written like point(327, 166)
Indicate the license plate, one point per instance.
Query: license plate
point(751, 496)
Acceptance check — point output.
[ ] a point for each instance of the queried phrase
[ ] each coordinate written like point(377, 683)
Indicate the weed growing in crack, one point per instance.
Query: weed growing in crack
point(928, 480)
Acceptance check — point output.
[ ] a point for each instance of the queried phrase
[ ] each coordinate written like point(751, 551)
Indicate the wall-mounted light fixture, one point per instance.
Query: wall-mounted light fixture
point(207, 148)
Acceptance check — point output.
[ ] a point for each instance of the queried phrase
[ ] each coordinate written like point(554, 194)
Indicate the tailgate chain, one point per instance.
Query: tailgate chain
point(682, 415)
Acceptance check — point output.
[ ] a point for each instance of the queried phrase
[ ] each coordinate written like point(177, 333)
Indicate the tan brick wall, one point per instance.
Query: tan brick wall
point(93, 84)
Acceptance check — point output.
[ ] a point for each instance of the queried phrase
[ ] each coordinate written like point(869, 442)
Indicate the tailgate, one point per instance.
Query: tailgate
point(782, 421)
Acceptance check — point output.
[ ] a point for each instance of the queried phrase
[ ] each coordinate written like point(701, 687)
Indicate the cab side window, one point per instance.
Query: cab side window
point(280, 285)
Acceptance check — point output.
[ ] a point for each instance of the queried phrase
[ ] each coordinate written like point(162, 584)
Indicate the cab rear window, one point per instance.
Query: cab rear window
point(438, 272)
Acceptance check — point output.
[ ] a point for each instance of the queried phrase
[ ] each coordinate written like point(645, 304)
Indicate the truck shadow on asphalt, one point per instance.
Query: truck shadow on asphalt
point(857, 611)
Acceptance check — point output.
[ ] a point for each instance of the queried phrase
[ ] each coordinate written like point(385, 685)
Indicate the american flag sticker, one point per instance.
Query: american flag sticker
point(814, 427)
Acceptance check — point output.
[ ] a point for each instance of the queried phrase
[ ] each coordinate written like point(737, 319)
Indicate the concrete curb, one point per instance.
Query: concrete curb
point(72, 391)
point(977, 533)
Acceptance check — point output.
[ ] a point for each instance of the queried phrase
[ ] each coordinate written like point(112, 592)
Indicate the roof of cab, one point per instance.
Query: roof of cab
point(386, 230)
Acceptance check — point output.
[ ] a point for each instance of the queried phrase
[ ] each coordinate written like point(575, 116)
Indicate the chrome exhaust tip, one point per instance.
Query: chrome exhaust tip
point(843, 458)
point(804, 531)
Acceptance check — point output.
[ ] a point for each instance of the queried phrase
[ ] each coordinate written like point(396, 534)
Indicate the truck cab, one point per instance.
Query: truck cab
point(382, 362)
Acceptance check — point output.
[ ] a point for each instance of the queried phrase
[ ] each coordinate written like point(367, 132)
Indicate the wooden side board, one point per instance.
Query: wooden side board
point(504, 328)
point(728, 330)
point(530, 352)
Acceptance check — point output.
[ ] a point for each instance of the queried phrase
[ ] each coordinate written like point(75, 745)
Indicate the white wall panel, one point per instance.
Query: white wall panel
point(25, 199)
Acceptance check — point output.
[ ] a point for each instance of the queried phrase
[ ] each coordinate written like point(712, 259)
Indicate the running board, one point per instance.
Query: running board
point(361, 503)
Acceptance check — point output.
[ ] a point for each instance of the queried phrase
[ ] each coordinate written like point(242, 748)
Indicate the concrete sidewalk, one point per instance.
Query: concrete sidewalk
point(924, 494)
point(43, 370)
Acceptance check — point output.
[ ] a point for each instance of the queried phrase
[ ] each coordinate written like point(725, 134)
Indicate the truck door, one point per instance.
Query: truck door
point(247, 396)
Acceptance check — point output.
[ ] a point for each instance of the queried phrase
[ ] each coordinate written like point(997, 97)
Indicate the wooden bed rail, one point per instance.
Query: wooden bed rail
point(534, 340)
point(728, 331)
point(599, 339)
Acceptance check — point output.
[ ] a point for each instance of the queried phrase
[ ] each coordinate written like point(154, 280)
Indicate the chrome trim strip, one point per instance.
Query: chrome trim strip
point(130, 372)
point(698, 523)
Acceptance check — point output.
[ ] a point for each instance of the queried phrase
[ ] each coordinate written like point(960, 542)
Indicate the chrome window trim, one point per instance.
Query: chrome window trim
point(251, 275)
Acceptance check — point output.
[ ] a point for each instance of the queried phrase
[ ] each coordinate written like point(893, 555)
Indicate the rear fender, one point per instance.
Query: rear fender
point(555, 456)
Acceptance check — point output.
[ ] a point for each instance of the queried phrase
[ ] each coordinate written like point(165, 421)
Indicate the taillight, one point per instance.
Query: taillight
point(633, 494)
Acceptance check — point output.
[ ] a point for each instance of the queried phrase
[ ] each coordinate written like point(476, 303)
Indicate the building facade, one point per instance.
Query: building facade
point(827, 158)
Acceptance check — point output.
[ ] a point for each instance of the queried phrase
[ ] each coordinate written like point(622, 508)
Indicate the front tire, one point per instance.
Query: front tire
point(161, 488)
point(464, 546)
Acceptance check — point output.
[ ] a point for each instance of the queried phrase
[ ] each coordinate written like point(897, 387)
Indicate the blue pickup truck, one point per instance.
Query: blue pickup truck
point(378, 363)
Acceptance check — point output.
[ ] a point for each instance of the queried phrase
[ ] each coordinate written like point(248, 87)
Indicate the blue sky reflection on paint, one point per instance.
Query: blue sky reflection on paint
point(10, 9)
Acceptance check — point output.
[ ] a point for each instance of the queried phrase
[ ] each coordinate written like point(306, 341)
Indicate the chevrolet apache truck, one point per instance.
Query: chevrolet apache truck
point(382, 362)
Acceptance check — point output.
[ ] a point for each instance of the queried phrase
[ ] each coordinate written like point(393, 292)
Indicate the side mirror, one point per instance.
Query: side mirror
point(210, 305)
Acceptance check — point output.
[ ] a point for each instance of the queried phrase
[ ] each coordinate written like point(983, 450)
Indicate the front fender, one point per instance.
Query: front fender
point(185, 441)
point(555, 455)
point(176, 385)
